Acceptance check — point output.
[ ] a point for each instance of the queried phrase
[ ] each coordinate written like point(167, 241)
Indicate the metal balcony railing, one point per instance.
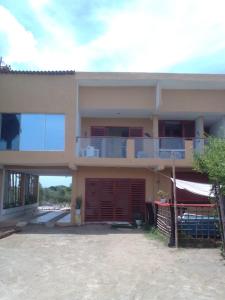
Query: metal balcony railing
point(171, 147)
point(110, 147)
point(199, 144)
point(164, 148)
point(119, 147)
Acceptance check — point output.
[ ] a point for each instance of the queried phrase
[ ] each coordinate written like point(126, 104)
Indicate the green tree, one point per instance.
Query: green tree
point(54, 195)
point(212, 163)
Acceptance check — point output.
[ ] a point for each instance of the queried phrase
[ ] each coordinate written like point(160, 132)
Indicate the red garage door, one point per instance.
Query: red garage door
point(114, 199)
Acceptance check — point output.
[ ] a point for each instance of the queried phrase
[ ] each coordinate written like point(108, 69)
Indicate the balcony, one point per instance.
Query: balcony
point(135, 149)
point(199, 144)
point(162, 148)
point(108, 147)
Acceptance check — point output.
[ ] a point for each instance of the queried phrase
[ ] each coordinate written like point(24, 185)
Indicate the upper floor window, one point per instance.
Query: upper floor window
point(115, 131)
point(175, 128)
point(32, 132)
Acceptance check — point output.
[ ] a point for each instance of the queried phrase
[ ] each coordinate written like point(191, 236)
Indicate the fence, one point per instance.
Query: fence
point(197, 224)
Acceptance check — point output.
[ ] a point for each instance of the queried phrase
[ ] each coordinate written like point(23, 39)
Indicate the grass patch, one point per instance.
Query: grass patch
point(222, 251)
point(154, 234)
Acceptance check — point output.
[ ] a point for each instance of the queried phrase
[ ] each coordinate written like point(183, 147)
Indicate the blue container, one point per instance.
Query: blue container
point(199, 226)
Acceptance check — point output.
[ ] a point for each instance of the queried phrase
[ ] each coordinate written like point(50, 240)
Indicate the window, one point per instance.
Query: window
point(54, 132)
point(116, 131)
point(20, 189)
point(12, 197)
point(173, 129)
point(32, 132)
point(9, 131)
point(31, 189)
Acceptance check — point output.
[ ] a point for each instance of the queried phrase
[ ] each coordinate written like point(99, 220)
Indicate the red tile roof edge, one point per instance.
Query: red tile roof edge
point(7, 71)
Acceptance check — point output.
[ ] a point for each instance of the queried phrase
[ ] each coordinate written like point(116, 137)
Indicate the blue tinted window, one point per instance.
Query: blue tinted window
point(32, 136)
point(54, 138)
point(32, 132)
point(9, 131)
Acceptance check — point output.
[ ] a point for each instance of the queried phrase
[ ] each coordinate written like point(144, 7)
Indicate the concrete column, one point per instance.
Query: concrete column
point(130, 148)
point(199, 128)
point(155, 127)
point(188, 151)
point(157, 96)
point(77, 121)
point(155, 131)
point(78, 134)
point(199, 134)
point(73, 199)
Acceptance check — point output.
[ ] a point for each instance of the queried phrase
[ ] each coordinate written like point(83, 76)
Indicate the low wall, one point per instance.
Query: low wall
point(17, 211)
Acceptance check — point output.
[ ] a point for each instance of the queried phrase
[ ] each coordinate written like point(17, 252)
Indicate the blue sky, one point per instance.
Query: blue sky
point(113, 35)
point(47, 181)
point(119, 35)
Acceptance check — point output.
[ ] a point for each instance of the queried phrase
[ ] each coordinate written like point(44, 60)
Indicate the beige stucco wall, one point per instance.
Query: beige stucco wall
point(36, 93)
point(26, 93)
point(117, 98)
point(153, 181)
point(33, 93)
point(192, 101)
point(86, 124)
point(162, 182)
point(34, 158)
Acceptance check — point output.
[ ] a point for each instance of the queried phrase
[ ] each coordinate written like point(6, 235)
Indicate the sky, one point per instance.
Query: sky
point(47, 181)
point(183, 36)
point(114, 35)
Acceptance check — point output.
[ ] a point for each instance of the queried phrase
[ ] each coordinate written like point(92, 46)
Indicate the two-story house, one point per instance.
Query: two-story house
point(116, 134)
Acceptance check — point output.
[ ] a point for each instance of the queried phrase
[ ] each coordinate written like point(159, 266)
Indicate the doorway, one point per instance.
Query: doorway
point(110, 199)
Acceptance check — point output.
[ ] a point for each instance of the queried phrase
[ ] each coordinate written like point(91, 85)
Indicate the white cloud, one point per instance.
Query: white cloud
point(38, 4)
point(155, 42)
point(142, 36)
point(61, 52)
point(22, 44)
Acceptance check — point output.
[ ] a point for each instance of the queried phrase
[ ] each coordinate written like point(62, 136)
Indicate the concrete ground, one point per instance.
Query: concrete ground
point(96, 262)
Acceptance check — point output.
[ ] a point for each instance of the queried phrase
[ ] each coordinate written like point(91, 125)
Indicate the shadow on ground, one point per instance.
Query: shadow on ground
point(87, 229)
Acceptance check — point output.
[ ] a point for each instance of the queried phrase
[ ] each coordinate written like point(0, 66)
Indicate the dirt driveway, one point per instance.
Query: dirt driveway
point(96, 262)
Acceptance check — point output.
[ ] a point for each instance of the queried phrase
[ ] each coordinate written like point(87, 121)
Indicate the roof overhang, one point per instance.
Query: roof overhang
point(165, 80)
